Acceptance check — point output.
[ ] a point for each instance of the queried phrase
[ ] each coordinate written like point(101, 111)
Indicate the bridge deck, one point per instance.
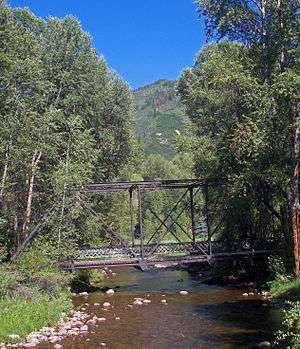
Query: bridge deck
point(95, 261)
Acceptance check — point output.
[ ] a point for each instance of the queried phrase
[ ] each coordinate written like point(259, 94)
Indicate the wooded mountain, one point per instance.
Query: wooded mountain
point(159, 117)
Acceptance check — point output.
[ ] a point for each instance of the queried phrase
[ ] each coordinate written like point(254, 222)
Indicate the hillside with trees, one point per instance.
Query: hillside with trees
point(160, 117)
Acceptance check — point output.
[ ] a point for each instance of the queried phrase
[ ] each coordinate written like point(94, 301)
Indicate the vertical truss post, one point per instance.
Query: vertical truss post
point(131, 217)
point(207, 217)
point(142, 252)
point(192, 213)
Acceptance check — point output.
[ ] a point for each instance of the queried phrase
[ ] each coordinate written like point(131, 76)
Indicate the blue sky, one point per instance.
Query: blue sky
point(142, 40)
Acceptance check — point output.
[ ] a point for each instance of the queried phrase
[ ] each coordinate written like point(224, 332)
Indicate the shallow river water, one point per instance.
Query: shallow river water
point(209, 317)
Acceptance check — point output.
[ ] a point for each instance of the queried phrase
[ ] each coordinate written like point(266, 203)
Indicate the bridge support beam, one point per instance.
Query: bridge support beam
point(131, 217)
point(140, 200)
point(192, 213)
point(206, 198)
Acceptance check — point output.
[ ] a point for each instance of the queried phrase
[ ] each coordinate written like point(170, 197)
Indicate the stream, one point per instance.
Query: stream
point(207, 317)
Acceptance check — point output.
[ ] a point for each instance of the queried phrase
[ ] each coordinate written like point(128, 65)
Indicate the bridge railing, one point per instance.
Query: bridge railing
point(176, 249)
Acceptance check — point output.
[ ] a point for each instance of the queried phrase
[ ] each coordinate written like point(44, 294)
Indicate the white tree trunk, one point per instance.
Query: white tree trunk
point(34, 162)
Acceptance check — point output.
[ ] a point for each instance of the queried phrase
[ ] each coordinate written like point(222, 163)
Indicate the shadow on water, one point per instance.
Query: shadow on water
point(247, 322)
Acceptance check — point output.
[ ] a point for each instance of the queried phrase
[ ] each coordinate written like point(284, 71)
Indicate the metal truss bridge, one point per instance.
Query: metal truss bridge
point(171, 242)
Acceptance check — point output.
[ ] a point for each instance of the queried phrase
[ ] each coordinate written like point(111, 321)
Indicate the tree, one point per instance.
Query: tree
point(241, 114)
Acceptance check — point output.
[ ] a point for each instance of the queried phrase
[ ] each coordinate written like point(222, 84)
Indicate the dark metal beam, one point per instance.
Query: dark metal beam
point(131, 217)
point(207, 219)
point(153, 185)
point(140, 200)
point(192, 213)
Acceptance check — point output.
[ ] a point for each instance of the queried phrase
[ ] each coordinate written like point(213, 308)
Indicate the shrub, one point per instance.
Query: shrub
point(9, 281)
point(289, 336)
point(50, 280)
point(95, 276)
point(278, 268)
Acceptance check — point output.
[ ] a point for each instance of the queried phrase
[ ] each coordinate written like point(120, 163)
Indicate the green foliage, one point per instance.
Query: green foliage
point(278, 268)
point(10, 280)
point(95, 276)
point(67, 121)
point(285, 289)
point(242, 119)
point(20, 316)
point(289, 336)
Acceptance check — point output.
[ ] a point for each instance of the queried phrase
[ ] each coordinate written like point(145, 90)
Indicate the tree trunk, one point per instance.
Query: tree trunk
point(64, 193)
point(282, 34)
point(294, 203)
point(7, 156)
point(34, 162)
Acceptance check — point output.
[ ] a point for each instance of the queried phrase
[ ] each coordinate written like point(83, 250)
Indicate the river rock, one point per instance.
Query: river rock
point(245, 294)
point(101, 319)
point(183, 293)
point(106, 304)
point(84, 328)
point(110, 291)
point(83, 294)
point(146, 301)
point(54, 339)
point(117, 318)
point(57, 346)
point(264, 345)
point(164, 301)
point(138, 302)
point(29, 345)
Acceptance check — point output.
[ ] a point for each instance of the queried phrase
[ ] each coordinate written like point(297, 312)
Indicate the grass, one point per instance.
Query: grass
point(286, 290)
point(20, 316)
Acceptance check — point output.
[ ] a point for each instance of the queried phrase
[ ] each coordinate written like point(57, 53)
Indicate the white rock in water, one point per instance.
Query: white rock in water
point(57, 346)
point(183, 293)
point(164, 301)
point(146, 301)
point(138, 302)
point(101, 319)
point(83, 294)
point(106, 304)
point(264, 345)
point(245, 294)
point(117, 318)
point(110, 291)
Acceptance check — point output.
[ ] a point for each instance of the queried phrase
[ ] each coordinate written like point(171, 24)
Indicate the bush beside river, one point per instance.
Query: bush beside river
point(33, 293)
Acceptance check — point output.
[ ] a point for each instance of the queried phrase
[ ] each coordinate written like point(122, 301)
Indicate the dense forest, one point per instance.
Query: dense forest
point(68, 120)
